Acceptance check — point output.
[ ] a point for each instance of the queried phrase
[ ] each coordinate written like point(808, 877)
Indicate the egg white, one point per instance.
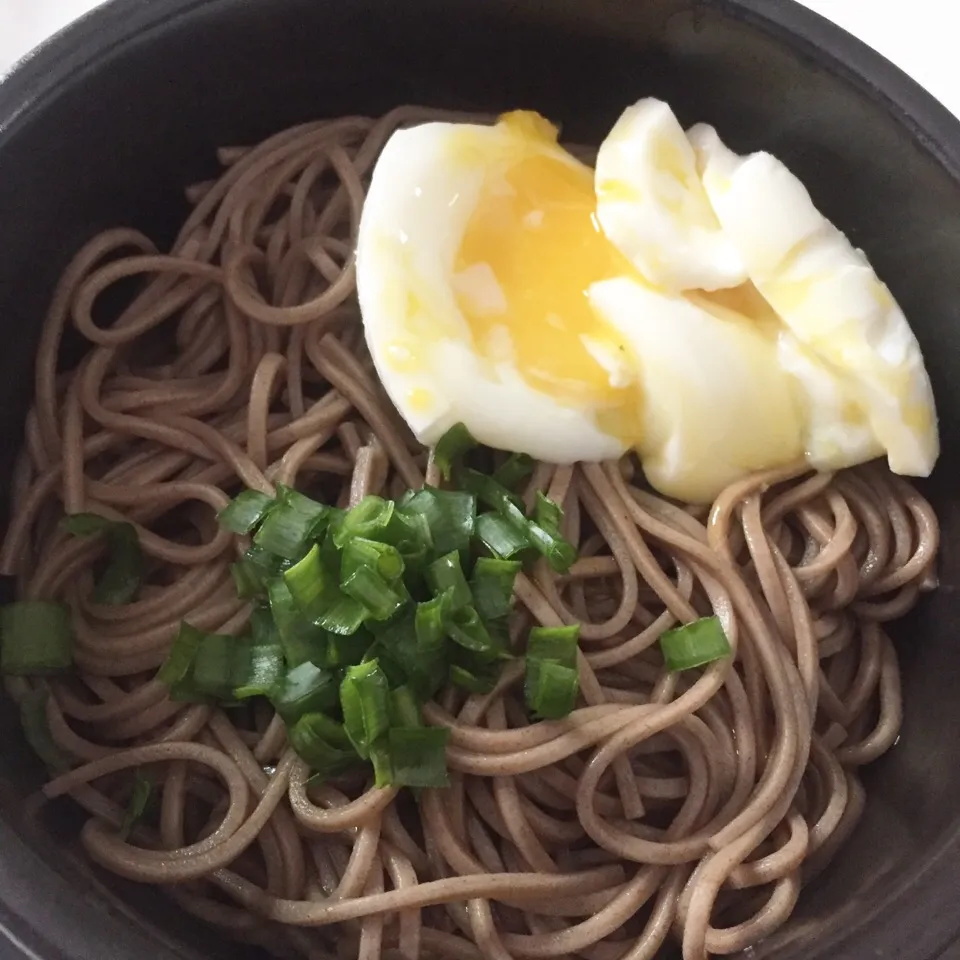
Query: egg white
point(424, 189)
point(653, 208)
point(830, 299)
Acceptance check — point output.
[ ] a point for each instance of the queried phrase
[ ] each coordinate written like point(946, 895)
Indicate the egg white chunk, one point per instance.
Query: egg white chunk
point(717, 405)
point(653, 208)
point(825, 291)
point(424, 189)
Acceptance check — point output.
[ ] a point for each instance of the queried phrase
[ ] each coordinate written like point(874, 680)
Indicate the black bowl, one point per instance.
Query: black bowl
point(105, 124)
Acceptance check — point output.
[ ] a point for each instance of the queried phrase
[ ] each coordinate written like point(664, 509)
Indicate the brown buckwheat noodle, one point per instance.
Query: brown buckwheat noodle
point(687, 807)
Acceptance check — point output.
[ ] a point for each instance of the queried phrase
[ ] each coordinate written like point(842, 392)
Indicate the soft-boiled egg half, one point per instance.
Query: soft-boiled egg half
point(574, 314)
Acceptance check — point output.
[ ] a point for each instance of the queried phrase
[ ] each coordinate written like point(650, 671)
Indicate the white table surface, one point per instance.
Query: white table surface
point(906, 31)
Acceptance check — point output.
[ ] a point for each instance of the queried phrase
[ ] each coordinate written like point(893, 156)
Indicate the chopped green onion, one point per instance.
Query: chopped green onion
point(546, 537)
point(431, 621)
point(309, 581)
point(305, 689)
point(418, 756)
point(347, 651)
point(382, 763)
point(502, 537)
point(492, 586)
point(517, 467)
point(364, 698)
point(405, 526)
point(475, 676)
point(378, 597)
point(694, 644)
point(36, 638)
point(248, 584)
point(381, 557)
point(404, 709)
point(550, 689)
point(344, 617)
point(368, 519)
point(301, 639)
point(451, 447)
point(291, 523)
point(411, 648)
point(552, 680)
point(451, 516)
point(213, 668)
point(445, 573)
point(183, 651)
point(120, 580)
point(36, 730)
point(469, 631)
point(258, 568)
point(322, 744)
point(244, 512)
point(493, 494)
point(262, 669)
point(136, 805)
point(554, 643)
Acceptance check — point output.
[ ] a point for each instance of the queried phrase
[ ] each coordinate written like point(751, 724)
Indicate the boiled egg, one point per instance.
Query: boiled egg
point(492, 296)
point(652, 205)
point(846, 341)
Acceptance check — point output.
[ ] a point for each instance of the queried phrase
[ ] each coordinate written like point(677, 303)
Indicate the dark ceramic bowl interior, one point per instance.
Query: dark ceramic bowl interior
point(106, 124)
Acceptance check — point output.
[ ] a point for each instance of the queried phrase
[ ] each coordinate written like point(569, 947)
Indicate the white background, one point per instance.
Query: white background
point(912, 33)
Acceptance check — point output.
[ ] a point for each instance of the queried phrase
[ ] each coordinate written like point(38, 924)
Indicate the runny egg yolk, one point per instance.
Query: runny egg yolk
point(535, 239)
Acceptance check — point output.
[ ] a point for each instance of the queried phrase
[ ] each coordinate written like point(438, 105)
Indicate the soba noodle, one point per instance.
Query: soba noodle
point(691, 806)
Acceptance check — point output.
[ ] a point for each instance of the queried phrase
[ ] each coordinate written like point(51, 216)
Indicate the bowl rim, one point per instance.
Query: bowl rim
point(925, 893)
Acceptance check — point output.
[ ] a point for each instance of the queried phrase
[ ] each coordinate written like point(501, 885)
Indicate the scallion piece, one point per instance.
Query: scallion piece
point(179, 663)
point(466, 629)
point(247, 583)
point(359, 552)
point(450, 514)
point(305, 689)
point(404, 709)
point(694, 644)
point(368, 519)
point(552, 680)
point(244, 512)
point(261, 669)
point(445, 573)
point(502, 537)
point(382, 763)
point(493, 494)
point(259, 567)
point(554, 643)
point(492, 586)
point(137, 804)
point(36, 638)
point(473, 675)
point(344, 617)
point(418, 756)
point(517, 467)
point(301, 639)
point(364, 699)
point(372, 591)
point(36, 730)
point(405, 526)
point(120, 580)
point(550, 689)
point(545, 535)
point(310, 582)
point(214, 667)
point(291, 523)
point(322, 744)
point(347, 651)
point(451, 447)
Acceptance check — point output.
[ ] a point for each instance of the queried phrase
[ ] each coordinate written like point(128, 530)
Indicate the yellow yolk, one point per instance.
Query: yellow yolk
point(535, 233)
